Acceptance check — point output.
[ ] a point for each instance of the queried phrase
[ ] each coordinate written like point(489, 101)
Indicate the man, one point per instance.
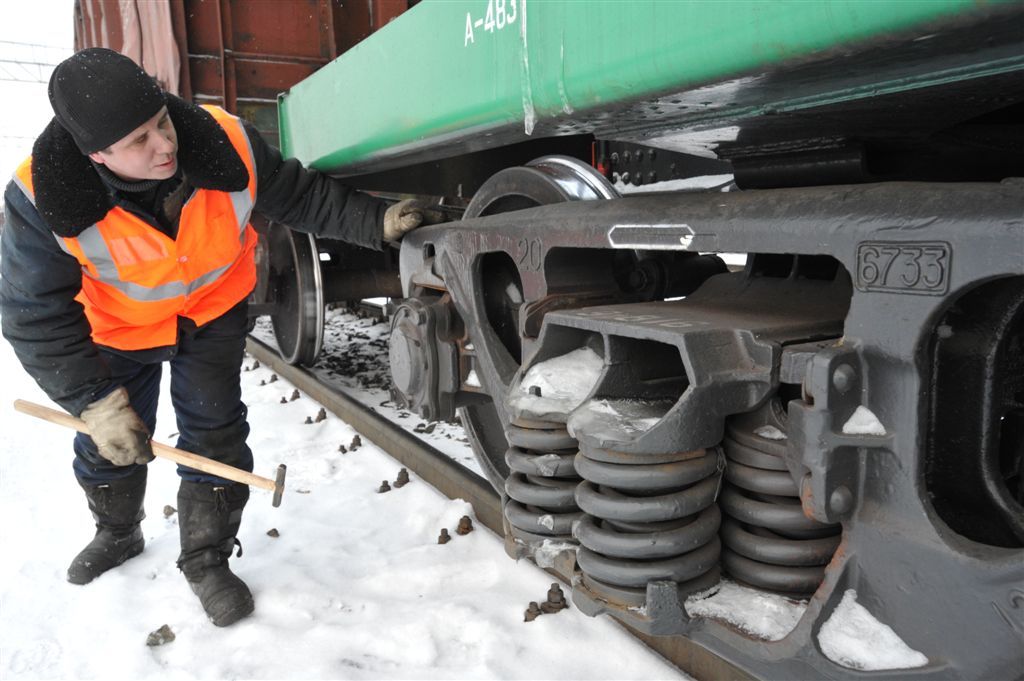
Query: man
point(127, 246)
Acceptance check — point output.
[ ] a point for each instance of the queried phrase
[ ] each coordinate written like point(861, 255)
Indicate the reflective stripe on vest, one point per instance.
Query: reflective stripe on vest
point(155, 278)
point(23, 179)
point(94, 247)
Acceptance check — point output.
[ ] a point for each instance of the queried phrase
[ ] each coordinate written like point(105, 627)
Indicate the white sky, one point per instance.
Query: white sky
point(25, 109)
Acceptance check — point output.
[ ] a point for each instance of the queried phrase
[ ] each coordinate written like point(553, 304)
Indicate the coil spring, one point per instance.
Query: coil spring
point(767, 540)
point(541, 486)
point(648, 522)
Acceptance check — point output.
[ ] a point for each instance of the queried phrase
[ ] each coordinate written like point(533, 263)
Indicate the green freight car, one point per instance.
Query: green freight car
point(832, 414)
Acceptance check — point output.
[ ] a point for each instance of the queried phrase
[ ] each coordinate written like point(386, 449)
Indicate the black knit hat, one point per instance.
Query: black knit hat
point(99, 96)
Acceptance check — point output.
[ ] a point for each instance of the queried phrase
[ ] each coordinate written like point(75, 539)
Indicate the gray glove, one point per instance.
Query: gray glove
point(120, 435)
point(406, 216)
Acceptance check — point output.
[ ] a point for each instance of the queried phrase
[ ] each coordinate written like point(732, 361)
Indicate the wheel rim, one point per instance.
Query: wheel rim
point(544, 181)
point(297, 290)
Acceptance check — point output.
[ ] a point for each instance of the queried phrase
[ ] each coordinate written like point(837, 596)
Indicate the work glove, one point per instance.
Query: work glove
point(406, 216)
point(120, 435)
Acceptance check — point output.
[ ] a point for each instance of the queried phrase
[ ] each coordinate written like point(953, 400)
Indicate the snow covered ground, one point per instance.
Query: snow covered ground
point(355, 360)
point(354, 587)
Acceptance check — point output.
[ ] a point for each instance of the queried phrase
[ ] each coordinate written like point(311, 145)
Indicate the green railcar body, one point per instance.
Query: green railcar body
point(458, 76)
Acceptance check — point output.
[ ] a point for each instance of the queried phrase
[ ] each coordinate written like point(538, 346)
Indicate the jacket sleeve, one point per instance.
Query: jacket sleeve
point(39, 314)
point(309, 201)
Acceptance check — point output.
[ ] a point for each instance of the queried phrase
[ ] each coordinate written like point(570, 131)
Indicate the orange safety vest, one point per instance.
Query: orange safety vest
point(137, 281)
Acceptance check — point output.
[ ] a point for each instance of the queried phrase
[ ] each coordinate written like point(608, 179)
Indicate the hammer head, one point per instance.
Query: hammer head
point(279, 484)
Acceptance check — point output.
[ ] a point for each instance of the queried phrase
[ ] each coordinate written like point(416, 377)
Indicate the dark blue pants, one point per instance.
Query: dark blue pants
point(205, 367)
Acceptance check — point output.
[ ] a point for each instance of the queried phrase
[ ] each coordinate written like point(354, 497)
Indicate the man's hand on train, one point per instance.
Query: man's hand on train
point(406, 216)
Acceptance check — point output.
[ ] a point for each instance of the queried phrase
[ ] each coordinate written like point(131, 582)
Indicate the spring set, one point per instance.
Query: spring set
point(650, 518)
point(767, 540)
point(541, 485)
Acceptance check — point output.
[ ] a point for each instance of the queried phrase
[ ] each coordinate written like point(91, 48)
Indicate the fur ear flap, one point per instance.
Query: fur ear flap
point(69, 193)
point(70, 196)
point(205, 153)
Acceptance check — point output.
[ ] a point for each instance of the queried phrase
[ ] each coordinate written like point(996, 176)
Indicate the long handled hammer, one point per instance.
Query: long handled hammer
point(200, 463)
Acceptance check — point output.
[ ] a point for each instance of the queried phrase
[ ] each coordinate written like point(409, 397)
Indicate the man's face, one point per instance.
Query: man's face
point(146, 153)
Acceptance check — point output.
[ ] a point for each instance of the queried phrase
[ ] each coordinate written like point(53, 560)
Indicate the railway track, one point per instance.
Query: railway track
point(458, 482)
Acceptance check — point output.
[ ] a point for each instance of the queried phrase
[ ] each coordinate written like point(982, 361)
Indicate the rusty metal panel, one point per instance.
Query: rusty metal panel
point(258, 79)
point(98, 24)
point(293, 30)
point(352, 22)
point(181, 40)
point(240, 54)
point(386, 10)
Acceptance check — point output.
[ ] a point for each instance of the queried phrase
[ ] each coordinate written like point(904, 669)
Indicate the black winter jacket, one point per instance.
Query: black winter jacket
point(38, 281)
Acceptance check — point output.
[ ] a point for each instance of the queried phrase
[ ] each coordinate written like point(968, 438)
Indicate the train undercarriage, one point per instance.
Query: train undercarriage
point(838, 413)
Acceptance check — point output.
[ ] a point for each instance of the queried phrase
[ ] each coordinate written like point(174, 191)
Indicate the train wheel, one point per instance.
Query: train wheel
point(546, 180)
point(296, 288)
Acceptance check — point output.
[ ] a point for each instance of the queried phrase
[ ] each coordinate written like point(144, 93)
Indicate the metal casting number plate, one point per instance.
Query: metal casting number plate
point(907, 267)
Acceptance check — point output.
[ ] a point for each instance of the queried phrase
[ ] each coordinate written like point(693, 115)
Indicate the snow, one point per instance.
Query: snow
point(608, 419)
point(765, 615)
point(770, 433)
point(853, 638)
point(547, 464)
point(564, 382)
point(355, 586)
point(863, 422)
point(550, 549)
point(357, 362)
point(721, 182)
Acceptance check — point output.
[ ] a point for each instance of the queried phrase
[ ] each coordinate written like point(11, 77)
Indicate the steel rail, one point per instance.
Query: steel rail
point(431, 465)
point(458, 482)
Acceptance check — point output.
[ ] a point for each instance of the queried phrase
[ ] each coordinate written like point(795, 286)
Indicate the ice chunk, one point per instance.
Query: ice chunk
point(473, 380)
point(863, 422)
point(853, 638)
point(562, 383)
point(762, 614)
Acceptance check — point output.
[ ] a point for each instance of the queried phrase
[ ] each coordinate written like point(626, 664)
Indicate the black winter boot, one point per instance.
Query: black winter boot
point(209, 516)
point(117, 508)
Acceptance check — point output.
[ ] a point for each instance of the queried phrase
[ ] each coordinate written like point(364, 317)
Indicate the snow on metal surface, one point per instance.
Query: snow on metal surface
point(549, 550)
point(863, 422)
point(853, 638)
point(719, 182)
point(762, 614)
point(770, 433)
point(616, 419)
point(562, 382)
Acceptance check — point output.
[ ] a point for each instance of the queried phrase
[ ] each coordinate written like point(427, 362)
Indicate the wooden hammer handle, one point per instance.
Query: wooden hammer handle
point(200, 463)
